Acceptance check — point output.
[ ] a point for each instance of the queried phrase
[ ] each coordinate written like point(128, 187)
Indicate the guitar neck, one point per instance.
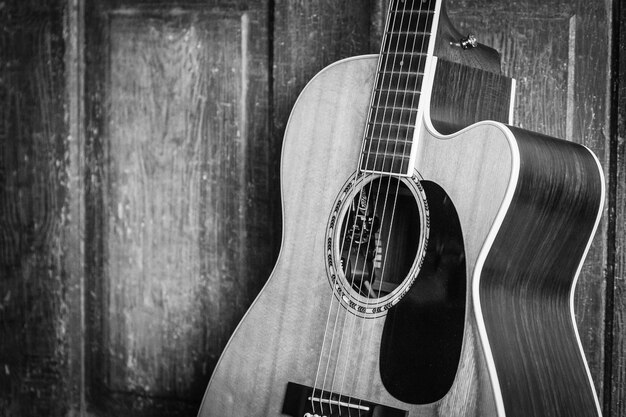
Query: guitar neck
point(408, 42)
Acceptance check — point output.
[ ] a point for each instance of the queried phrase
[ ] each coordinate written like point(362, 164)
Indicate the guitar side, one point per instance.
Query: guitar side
point(527, 282)
point(283, 336)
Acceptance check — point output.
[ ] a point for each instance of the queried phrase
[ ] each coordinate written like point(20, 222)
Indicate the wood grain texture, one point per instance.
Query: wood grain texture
point(33, 185)
point(308, 36)
point(528, 280)
point(464, 95)
point(617, 406)
point(158, 99)
point(74, 225)
point(557, 52)
point(177, 192)
point(281, 337)
point(534, 51)
point(483, 56)
point(41, 296)
point(448, 47)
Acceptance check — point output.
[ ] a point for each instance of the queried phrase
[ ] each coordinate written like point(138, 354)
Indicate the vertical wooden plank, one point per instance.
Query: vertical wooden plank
point(158, 123)
point(33, 192)
point(591, 127)
point(534, 46)
point(74, 215)
point(617, 404)
point(179, 240)
point(309, 35)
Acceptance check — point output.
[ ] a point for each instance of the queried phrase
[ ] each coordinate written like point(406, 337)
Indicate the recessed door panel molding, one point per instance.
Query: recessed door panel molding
point(171, 137)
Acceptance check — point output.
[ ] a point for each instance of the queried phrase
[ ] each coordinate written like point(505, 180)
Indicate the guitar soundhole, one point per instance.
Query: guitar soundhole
point(376, 240)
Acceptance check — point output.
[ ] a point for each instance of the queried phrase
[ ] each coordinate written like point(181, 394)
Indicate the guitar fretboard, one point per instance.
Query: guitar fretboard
point(395, 101)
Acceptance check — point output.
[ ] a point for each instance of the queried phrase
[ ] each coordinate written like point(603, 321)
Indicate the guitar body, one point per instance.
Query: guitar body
point(523, 209)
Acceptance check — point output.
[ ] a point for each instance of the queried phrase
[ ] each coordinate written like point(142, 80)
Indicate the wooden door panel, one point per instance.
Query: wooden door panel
point(556, 52)
point(173, 147)
point(139, 200)
point(535, 50)
point(33, 210)
point(173, 182)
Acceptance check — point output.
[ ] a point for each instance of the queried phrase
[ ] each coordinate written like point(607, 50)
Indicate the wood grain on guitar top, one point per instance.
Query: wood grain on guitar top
point(280, 338)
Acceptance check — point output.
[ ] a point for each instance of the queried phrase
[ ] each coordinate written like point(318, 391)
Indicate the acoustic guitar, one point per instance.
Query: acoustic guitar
point(430, 250)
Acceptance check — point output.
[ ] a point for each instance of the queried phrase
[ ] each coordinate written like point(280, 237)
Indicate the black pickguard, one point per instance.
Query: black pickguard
point(423, 333)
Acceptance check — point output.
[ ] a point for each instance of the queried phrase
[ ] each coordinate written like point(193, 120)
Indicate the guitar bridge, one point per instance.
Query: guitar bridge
point(302, 401)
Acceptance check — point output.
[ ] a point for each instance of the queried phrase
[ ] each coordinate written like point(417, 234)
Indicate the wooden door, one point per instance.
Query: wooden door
point(139, 185)
point(33, 196)
point(180, 227)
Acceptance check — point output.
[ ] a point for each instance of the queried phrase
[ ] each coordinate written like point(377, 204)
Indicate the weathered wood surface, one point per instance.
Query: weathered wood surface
point(177, 225)
point(616, 405)
point(557, 52)
point(33, 186)
point(464, 95)
point(309, 35)
point(74, 228)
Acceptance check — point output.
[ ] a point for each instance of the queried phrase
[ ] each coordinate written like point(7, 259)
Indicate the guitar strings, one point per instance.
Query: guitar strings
point(345, 228)
point(382, 57)
point(371, 238)
point(395, 196)
point(359, 197)
point(386, 198)
point(412, 106)
point(389, 25)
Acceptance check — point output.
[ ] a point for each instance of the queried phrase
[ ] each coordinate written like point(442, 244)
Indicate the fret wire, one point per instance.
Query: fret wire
point(401, 141)
point(406, 53)
point(404, 50)
point(406, 150)
point(384, 138)
point(401, 72)
point(390, 124)
point(397, 151)
point(398, 116)
point(391, 156)
point(405, 62)
point(383, 129)
point(392, 85)
point(391, 90)
point(426, 11)
point(391, 21)
point(396, 108)
point(407, 32)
